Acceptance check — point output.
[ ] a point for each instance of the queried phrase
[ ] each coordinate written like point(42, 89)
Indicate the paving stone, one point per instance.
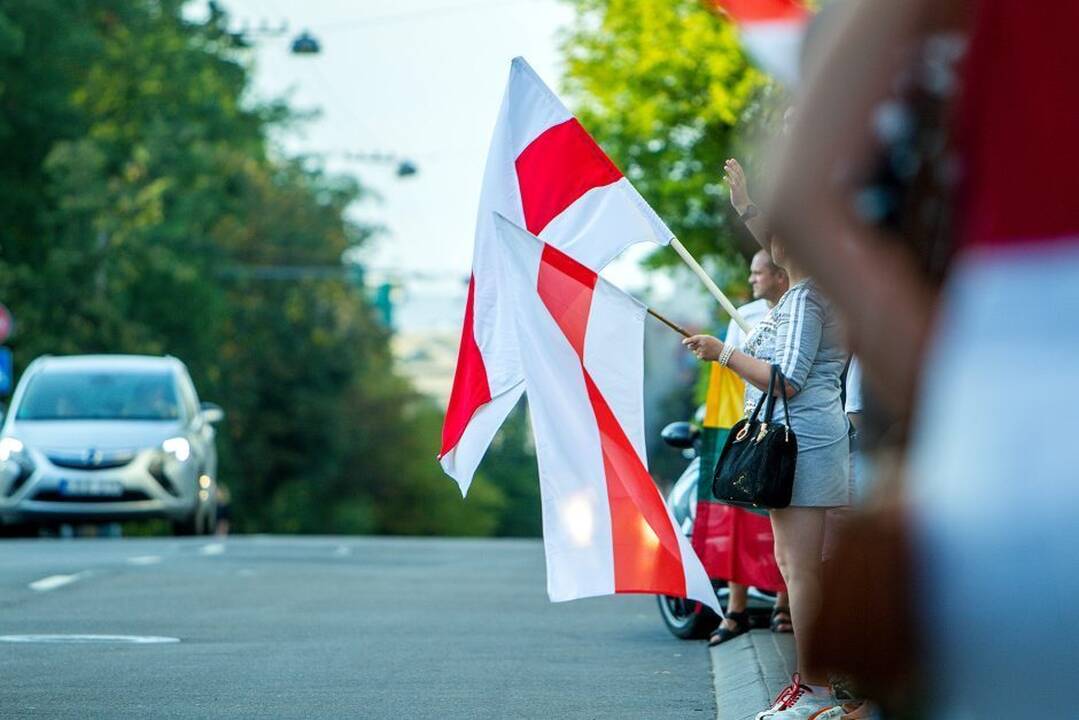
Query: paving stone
point(749, 671)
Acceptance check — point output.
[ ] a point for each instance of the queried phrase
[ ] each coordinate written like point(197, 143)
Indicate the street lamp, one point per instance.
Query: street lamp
point(306, 44)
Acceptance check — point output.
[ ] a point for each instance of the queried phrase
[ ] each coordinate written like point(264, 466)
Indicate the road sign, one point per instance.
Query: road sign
point(7, 371)
point(7, 323)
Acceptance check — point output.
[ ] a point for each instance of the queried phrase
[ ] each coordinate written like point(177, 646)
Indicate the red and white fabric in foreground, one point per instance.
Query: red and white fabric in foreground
point(771, 31)
point(606, 528)
point(546, 174)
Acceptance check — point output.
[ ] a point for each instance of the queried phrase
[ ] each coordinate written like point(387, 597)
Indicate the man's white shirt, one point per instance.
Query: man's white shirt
point(753, 313)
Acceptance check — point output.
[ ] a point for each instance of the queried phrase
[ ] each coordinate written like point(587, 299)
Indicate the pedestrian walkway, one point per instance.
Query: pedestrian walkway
point(749, 671)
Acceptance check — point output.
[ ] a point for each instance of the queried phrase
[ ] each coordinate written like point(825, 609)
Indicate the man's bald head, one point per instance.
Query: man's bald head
point(768, 280)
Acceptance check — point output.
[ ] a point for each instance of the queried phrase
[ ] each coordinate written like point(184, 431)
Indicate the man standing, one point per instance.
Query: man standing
point(768, 282)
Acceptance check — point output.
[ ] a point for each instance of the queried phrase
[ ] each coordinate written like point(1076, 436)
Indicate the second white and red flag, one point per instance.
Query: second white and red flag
point(606, 528)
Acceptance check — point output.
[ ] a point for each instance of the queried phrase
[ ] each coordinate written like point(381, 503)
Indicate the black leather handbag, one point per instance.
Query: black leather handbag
point(756, 468)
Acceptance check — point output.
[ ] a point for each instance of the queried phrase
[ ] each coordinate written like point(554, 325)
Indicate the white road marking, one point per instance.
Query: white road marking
point(144, 560)
point(212, 549)
point(133, 639)
point(56, 581)
point(342, 551)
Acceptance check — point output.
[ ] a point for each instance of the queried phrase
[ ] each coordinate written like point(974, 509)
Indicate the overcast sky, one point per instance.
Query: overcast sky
point(418, 79)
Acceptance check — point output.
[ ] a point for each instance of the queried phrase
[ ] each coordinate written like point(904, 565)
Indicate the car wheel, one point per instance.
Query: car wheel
point(20, 530)
point(187, 526)
point(687, 619)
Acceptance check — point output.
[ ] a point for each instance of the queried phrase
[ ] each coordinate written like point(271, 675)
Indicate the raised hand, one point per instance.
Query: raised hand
point(736, 179)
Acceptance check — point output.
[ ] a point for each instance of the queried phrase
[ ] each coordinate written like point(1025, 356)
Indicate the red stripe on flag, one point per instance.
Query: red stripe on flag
point(748, 11)
point(565, 287)
point(646, 554)
point(647, 557)
point(557, 168)
point(470, 388)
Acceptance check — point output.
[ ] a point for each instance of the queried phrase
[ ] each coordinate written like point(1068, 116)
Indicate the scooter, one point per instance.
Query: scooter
point(689, 619)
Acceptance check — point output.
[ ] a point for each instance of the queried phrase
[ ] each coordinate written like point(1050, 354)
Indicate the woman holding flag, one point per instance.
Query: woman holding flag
point(802, 336)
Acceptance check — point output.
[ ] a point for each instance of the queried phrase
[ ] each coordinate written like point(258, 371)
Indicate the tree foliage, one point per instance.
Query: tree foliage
point(665, 88)
point(138, 185)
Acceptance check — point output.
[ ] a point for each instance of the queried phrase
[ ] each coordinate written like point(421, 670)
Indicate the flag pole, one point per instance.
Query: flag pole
point(673, 326)
point(710, 284)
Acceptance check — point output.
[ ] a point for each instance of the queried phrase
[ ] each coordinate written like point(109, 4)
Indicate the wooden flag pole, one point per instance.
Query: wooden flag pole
point(710, 284)
point(673, 326)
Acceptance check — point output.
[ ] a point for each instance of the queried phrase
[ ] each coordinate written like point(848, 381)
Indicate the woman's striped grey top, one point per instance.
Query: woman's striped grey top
point(801, 334)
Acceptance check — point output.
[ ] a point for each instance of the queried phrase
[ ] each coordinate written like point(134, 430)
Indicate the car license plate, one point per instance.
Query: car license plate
point(91, 487)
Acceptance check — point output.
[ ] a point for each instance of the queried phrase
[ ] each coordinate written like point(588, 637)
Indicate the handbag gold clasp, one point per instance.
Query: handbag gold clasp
point(763, 431)
point(742, 433)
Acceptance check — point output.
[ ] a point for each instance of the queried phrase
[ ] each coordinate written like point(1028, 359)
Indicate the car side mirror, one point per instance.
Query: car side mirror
point(212, 412)
point(682, 435)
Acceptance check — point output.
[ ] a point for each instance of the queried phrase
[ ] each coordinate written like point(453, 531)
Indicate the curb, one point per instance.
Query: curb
point(749, 671)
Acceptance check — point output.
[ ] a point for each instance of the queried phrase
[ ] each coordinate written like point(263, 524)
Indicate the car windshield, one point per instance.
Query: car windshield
point(101, 395)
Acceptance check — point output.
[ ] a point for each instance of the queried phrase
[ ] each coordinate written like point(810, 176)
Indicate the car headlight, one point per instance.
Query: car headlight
point(178, 447)
point(10, 448)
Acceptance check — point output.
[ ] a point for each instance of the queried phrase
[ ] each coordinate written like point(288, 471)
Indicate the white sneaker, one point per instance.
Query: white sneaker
point(799, 702)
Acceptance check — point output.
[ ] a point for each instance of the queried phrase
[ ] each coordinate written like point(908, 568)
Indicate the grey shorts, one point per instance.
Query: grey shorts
point(822, 476)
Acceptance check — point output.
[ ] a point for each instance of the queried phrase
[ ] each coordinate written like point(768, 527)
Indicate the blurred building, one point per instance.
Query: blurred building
point(427, 331)
point(428, 360)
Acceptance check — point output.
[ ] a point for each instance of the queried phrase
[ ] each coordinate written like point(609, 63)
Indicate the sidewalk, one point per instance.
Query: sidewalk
point(749, 671)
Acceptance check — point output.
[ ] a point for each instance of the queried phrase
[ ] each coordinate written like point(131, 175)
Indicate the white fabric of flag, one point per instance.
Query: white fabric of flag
point(546, 174)
point(606, 528)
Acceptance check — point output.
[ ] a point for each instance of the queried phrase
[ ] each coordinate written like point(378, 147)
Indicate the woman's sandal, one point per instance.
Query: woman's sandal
point(722, 634)
point(781, 620)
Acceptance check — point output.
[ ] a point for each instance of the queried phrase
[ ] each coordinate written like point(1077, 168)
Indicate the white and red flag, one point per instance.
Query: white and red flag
point(546, 174)
point(606, 528)
point(771, 31)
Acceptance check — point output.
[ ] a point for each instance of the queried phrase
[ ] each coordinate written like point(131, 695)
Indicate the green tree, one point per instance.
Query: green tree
point(665, 88)
point(510, 466)
point(141, 192)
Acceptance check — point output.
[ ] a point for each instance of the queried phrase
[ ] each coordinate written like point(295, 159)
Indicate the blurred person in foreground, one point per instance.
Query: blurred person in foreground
point(990, 491)
point(769, 283)
point(802, 336)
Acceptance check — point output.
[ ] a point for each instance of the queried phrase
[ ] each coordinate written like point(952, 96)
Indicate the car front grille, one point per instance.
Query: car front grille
point(55, 496)
point(92, 459)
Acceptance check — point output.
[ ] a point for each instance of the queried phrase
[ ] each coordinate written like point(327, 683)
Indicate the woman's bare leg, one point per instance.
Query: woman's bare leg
point(799, 535)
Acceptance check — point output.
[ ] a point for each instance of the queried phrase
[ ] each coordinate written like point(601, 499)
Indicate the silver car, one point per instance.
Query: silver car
point(101, 438)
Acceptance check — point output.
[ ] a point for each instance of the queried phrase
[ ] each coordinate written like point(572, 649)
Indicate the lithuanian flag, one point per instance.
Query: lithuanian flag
point(734, 544)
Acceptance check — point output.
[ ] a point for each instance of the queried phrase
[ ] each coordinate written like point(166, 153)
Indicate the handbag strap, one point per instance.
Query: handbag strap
point(783, 389)
point(771, 401)
point(768, 400)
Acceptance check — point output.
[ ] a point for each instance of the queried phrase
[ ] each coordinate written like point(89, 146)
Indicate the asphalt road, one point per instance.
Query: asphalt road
point(286, 627)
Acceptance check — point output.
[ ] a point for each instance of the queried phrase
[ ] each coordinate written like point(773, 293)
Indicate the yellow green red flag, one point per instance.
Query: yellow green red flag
point(733, 544)
point(723, 403)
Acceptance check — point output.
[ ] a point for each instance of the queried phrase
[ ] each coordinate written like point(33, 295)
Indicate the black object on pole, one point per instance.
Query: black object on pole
point(306, 44)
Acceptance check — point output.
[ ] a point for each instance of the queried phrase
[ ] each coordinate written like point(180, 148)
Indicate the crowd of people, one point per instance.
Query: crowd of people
point(921, 199)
